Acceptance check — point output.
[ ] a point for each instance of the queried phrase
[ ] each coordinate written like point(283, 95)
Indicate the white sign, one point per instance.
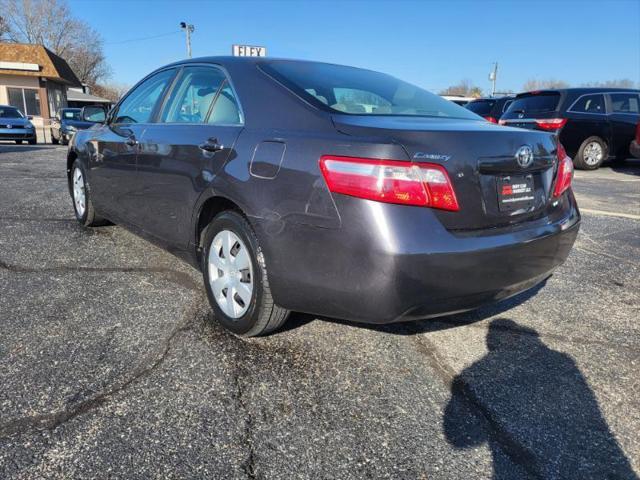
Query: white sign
point(248, 51)
point(31, 67)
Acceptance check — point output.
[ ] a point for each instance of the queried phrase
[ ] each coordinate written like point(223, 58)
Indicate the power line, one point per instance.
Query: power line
point(175, 32)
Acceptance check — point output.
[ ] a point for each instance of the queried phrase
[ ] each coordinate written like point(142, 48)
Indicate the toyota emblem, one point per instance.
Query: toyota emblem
point(524, 156)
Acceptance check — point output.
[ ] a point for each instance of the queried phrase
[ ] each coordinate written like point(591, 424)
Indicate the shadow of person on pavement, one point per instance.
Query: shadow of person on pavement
point(534, 409)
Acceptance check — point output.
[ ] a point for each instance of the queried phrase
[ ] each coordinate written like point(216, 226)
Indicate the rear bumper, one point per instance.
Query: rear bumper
point(634, 149)
point(389, 263)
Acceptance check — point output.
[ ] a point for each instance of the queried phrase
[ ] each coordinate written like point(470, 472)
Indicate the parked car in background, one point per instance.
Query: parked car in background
point(302, 199)
point(65, 124)
point(593, 124)
point(15, 126)
point(490, 108)
point(634, 148)
point(458, 99)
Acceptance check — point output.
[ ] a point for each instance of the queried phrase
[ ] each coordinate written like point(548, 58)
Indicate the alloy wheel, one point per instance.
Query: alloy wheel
point(230, 274)
point(592, 153)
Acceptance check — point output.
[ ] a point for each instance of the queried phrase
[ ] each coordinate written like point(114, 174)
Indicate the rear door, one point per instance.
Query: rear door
point(114, 149)
point(184, 149)
point(587, 118)
point(624, 116)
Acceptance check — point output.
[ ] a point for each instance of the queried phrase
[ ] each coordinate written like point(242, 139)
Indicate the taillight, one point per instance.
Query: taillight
point(390, 181)
point(551, 123)
point(491, 120)
point(565, 172)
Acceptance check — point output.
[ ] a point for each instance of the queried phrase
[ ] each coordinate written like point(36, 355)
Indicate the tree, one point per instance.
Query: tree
point(535, 84)
point(50, 23)
point(464, 88)
point(619, 83)
point(110, 91)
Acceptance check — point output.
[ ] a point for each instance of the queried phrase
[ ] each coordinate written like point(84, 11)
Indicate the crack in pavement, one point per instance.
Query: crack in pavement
point(249, 465)
point(518, 453)
point(51, 421)
point(181, 278)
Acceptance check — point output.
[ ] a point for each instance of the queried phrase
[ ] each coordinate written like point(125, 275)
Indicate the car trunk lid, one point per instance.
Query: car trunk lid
point(492, 187)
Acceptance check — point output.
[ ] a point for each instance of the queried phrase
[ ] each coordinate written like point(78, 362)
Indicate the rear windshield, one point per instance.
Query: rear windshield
point(481, 107)
point(10, 112)
point(71, 114)
point(540, 102)
point(360, 92)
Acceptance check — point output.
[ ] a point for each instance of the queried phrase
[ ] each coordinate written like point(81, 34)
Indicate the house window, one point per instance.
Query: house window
point(27, 100)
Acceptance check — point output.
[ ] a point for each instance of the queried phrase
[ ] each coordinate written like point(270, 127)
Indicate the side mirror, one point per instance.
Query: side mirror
point(93, 114)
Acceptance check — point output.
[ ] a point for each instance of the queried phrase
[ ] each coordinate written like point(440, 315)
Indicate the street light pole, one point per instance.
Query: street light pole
point(188, 28)
point(493, 76)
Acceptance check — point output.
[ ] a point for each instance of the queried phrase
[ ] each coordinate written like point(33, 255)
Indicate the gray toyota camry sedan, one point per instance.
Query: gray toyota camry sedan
point(325, 189)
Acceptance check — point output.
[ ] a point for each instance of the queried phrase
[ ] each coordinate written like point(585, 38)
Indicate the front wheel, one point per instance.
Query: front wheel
point(80, 194)
point(591, 154)
point(235, 278)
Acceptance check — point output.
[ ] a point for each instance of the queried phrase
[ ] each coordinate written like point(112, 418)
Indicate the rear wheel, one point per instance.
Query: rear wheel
point(235, 278)
point(19, 142)
point(54, 140)
point(32, 141)
point(591, 154)
point(80, 194)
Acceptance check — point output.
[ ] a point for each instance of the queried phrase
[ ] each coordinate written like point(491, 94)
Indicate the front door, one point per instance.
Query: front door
point(115, 146)
point(625, 113)
point(182, 152)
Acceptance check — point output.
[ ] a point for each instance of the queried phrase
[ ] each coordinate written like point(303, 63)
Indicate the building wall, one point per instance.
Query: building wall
point(42, 121)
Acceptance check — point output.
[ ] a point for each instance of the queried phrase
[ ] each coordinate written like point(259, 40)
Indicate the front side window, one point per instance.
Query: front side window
point(589, 104)
point(355, 91)
point(26, 100)
point(625, 102)
point(138, 105)
point(193, 95)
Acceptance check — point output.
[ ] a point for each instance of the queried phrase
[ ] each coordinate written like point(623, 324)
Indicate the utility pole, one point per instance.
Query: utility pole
point(188, 28)
point(493, 77)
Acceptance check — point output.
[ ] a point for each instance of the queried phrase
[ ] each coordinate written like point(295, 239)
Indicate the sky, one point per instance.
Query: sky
point(433, 44)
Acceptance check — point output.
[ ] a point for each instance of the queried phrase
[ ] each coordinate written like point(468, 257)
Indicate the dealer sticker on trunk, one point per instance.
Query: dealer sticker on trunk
point(515, 192)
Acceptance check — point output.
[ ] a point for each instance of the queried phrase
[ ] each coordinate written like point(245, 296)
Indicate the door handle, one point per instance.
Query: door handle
point(211, 145)
point(131, 141)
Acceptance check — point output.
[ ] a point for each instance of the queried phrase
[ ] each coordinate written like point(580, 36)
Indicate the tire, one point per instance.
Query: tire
point(32, 142)
point(591, 154)
point(85, 213)
point(225, 238)
point(54, 140)
point(19, 142)
point(64, 141)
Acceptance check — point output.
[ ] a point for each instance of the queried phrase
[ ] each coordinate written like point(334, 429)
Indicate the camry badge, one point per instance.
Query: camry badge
point(524, 156)
point(431, 156)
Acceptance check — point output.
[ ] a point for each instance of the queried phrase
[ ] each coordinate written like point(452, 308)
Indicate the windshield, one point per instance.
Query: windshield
point(71, 114)
point(535, 102)
point(10, 112)
point(481, 107)
point(360, 92)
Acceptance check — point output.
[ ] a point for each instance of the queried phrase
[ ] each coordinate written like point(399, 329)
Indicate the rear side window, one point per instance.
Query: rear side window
point(340, 89)
point(193, 95)
point(481, 107)
point(589, 104)
point(541, 102)
point(225, 110)
point(625, 102)
point(139, 104)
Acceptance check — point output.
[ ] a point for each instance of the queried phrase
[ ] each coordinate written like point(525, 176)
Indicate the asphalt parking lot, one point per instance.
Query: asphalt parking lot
point(112, 366)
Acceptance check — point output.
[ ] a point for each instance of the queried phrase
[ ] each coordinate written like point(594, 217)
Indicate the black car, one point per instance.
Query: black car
point(15, 127)
point(65, 124)
point(491, 109)
point(325, 189)
point(634, 148)
point(593, 124)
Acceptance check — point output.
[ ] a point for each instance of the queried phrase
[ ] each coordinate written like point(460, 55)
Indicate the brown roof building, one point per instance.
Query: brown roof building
point(35, 80)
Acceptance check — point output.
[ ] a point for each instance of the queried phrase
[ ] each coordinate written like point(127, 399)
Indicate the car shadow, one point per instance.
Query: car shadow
point(630, 166)
point(416, 327)
point(534, 409)
point(8, 148)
